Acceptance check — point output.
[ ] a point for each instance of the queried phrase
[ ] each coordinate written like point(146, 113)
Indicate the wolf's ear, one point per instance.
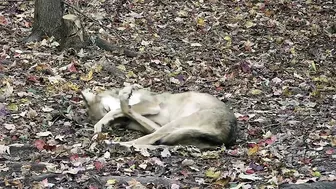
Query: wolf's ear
point(88, 96)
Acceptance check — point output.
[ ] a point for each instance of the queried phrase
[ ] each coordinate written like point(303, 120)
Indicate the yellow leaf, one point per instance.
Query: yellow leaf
point(102, 136)
point(256, 91)
point(72, 86)
point(135, 184)
point(182, 13)
point(13, 107)
point(132, 167)
point(142, 49)
point(211, 173)
point(228, 39)
point(316, 174)
point(313, 66)
point(121, 67)
point(88, 77)
point(329, 52)
point(6, 182)
point(17, 183)
point(99, 68)
point(268, 13)
point(249, 24)
point(315, 93)
point(286, 91)
point(279, 40)
point(39, 68)
point(130, 74)
point(223, 181)
point(111, 182)
point(200, 21)
point(332, 122)
point(321, 78)
point(292, 50)
point(252, 151)
point(24, 100)
point(333, 141)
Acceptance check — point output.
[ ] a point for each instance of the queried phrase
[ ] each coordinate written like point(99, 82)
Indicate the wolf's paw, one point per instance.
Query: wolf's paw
point(98, 127)
point(126, 93)
point(124, 96)
point(94, 137)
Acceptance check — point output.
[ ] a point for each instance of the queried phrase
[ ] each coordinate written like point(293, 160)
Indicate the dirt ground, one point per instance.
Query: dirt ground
point(273, 62)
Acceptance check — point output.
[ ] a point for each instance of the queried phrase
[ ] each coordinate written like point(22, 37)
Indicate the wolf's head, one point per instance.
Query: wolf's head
point(100, 104)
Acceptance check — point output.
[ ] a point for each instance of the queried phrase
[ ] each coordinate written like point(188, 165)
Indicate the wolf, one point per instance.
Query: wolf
point(188, 118)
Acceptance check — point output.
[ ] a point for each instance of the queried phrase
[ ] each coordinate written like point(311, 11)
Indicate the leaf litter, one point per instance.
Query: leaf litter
point(272, 62)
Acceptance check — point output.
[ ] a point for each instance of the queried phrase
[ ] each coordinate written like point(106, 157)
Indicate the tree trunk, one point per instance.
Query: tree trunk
point(47, 20)
point(68, 30)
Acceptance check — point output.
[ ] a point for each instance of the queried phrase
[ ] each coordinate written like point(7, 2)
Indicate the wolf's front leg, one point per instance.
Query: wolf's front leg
point(148, 125)
point(110, 116)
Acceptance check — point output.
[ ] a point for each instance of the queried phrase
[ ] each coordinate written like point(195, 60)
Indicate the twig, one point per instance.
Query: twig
point(95, 21)
point(98, 180)
point(304, 138)
point(42, 176)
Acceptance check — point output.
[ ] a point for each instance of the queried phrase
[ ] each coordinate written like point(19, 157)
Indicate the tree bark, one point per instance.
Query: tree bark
point(47, 20)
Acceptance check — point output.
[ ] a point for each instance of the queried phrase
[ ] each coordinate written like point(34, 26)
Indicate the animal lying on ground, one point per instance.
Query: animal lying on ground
point(189, 118)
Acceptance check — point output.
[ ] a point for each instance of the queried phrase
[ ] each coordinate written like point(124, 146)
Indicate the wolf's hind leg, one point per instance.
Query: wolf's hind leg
point(148, 125)
point(183, 136)
point(205, 126)
point(191, 136)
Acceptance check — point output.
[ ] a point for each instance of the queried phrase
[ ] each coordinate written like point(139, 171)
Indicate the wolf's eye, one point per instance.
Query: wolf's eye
point(106, 109)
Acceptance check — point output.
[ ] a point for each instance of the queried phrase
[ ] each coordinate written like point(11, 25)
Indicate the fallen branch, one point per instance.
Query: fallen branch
point(18, 166)
point(315, 185)
point(103, 44)
point(143, 180)
point(42, 177)
point(30, 179)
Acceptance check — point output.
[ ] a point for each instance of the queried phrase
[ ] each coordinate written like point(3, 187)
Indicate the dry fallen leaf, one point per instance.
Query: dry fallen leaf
point(275, 71)
point(43, 134)
point(87, 77)
point(4, 149)
point(253, 150)
point(212, 173)
point(9, 126)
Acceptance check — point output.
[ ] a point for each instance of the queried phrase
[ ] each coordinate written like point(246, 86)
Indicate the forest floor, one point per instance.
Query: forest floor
point(273, 62)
